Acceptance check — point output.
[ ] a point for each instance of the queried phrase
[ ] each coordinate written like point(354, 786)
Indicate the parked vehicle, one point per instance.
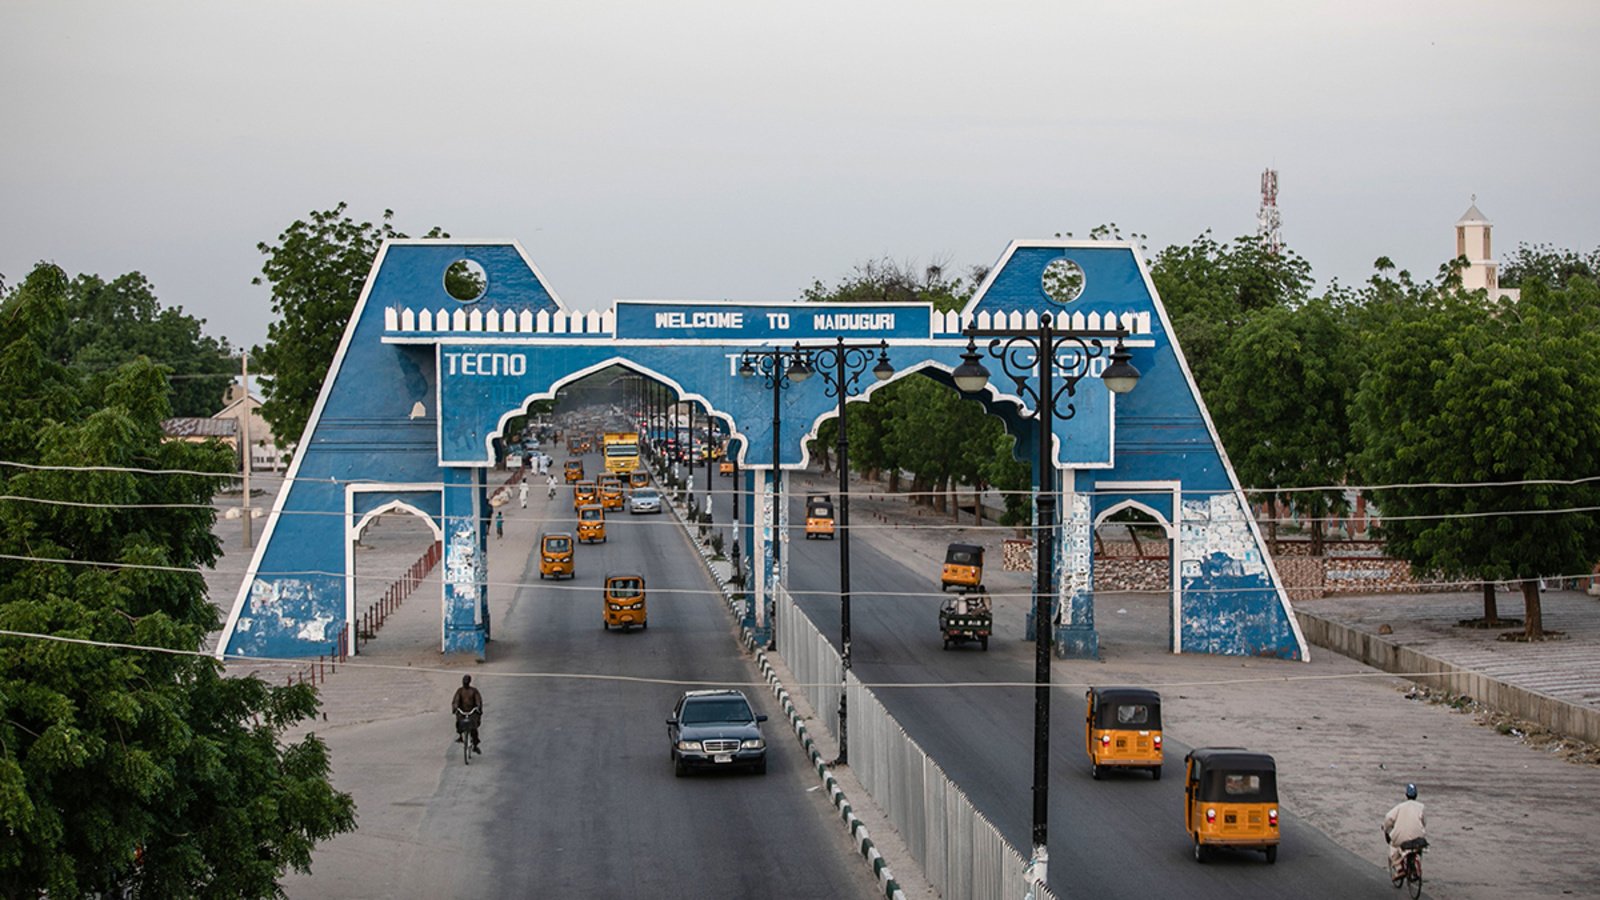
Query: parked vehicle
point(819, 516)
point(555, 555)
point(963, 567)
point(592, 524)
point(1231, 801)
point(624, 602)
point(716, 729)
point(966, 617)
point(1122, 729)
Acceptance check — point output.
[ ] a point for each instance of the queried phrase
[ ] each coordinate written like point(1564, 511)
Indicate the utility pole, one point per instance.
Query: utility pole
point(244, 444)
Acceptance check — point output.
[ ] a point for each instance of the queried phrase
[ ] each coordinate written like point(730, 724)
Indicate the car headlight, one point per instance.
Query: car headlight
point(690, 746)
point(549, 559)
point(614, 605)
point(753, 744)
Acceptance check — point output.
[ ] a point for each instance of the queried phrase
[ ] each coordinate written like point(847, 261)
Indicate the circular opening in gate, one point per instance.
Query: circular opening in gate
point(465, 280)
point(1063, 281)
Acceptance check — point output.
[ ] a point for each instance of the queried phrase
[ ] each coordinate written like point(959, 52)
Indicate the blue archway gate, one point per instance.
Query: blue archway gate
point(422, 384)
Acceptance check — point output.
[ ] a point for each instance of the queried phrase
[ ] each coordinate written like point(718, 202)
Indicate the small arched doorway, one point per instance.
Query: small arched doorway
point(392, 586)
point(1134, 580)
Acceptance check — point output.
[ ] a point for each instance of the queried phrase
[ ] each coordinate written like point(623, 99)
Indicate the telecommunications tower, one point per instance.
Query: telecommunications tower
point(1268, 224)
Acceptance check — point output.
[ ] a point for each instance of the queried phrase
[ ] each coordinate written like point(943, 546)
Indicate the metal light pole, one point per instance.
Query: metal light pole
point(847, 362)
point(1036, 353)
point(778, 369)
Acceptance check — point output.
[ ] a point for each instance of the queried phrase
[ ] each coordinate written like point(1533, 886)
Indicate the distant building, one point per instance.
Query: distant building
point(227, 426)
point(1473, 240)
point(263, 446)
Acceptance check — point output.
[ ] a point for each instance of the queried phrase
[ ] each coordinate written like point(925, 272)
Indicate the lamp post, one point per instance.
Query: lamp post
point(1026, 353)
point(848, 362)
point(778, 369)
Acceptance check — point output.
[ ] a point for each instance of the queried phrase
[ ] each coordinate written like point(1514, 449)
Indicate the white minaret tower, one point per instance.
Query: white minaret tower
point(1268, 223)
point(1472, 241)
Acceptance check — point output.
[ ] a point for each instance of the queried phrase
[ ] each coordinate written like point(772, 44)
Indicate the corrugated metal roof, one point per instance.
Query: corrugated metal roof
point(185, 427)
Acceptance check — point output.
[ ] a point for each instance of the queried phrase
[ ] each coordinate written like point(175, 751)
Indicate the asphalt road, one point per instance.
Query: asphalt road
point(1120, 837)
point(575, 795)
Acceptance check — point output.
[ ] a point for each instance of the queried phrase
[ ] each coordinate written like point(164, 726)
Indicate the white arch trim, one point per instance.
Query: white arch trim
point(563, 381)
point(1166, 523)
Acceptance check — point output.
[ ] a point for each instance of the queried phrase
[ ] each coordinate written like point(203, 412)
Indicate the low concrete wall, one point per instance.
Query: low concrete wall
point(1559, 716)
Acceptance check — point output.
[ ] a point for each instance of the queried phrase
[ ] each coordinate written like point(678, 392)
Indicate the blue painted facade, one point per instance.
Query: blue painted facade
point(423, 383)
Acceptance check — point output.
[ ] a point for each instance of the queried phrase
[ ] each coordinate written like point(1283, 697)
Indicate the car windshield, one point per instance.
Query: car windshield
point(645, 494)
point(556, 545)
point(716, 709)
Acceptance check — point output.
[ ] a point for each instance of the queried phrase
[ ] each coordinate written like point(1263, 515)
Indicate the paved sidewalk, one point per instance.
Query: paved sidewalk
point(1567, 669)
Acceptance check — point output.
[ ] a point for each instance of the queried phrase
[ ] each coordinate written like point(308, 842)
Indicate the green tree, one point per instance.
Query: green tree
point(1552, 265)
point(128, 772)
point(1496, 397)
point(886, 281)
point(1286, 380)
point(110, 323)
point(316, 270)
point(1209, 289)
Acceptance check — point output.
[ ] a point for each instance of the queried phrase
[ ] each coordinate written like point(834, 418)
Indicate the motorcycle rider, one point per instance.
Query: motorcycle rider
point(1403, 823)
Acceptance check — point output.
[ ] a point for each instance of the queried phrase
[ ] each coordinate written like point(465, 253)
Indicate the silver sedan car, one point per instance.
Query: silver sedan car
point(644, 500)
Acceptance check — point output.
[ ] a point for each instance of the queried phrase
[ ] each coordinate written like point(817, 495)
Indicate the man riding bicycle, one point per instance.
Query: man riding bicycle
point(1403, 824)
point(468, 704)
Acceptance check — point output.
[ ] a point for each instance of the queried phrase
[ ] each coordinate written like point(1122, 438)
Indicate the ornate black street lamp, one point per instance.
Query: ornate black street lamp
point(778, 369)
point(841, 366)
point(1026, 355)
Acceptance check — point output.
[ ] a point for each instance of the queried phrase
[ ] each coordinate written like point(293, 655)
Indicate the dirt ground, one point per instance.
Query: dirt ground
point(1507, 817)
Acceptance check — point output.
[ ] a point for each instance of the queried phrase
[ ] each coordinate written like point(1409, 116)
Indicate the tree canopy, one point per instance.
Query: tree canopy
point(126, 770)
point(1478, 406)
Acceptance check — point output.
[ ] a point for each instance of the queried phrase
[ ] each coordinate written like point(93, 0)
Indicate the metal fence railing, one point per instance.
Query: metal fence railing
point(814, 662)
point(960, 852)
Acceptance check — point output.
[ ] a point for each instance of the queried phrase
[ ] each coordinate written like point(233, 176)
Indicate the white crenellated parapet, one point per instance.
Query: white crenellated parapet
point(597, 322)
point(953, 323)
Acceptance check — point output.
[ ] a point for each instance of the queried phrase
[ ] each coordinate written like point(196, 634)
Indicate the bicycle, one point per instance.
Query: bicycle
point(1411, 866)
point(464, 731)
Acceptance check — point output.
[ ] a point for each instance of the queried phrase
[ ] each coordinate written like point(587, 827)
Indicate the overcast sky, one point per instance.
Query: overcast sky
point(709, 150)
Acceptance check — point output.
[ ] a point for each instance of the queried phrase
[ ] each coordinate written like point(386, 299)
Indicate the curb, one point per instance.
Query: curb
point(853, 825)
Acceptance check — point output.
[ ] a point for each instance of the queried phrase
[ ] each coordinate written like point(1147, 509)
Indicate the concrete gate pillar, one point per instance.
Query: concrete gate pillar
point(466, 565)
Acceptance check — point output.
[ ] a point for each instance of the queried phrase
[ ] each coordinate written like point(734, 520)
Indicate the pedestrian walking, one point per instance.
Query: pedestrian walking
point(522, 493)
point(499, 524)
